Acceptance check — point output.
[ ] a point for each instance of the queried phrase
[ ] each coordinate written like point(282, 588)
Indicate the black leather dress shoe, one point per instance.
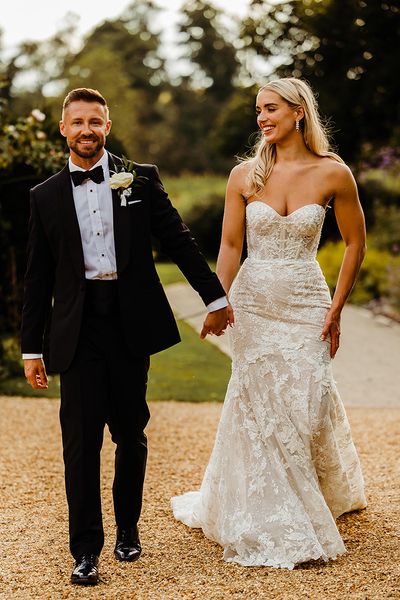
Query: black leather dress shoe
point(86, 570)
point(128, 546)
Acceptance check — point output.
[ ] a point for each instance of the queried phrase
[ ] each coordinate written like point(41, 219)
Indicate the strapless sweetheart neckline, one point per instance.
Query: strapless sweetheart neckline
point(290, 214)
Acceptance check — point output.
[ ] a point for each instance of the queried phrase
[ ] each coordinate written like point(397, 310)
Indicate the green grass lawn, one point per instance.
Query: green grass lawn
point(169, 272)
point(193, 370)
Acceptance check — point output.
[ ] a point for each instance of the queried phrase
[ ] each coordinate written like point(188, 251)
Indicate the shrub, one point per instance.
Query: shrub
point(379, 185)
point(379, 276)
point(385, 233)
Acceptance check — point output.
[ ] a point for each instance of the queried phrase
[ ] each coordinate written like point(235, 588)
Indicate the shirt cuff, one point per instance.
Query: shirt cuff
point(217, 304)
point(24, 356)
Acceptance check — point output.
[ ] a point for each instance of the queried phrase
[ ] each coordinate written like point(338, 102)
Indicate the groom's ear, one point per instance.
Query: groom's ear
point(108, 126)
point(62, 128)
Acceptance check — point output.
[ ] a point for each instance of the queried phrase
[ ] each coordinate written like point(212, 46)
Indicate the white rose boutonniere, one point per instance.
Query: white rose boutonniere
point(124, 178)
point(121, 180)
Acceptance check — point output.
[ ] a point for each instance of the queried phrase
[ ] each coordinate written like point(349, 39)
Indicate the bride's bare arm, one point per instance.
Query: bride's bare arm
point(351, 223)
point(233, 228)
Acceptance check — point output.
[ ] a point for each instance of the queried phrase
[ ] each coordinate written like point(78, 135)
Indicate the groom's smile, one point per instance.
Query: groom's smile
point(85, 145)
point(87, 142)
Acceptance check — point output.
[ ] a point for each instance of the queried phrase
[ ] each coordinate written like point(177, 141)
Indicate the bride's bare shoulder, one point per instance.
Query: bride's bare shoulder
point(336, 176)
point(330, 166)
point(242, 169)
point(238, 176)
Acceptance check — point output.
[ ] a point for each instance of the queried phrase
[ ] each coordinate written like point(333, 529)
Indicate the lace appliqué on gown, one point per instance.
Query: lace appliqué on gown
point(283, 465)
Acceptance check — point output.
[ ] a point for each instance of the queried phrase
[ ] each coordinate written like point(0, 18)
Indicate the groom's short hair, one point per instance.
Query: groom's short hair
point(87, 95)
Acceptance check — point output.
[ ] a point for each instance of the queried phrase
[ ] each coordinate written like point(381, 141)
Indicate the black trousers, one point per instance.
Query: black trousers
point(104, 385)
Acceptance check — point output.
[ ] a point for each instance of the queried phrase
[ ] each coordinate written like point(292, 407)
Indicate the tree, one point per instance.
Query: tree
point(209, 49)
point(342, 49)
point(133, 41)
point(235, 129)
point(212, 69)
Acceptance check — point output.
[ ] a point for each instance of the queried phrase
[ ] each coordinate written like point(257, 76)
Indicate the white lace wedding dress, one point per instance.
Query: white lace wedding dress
point(284, 465)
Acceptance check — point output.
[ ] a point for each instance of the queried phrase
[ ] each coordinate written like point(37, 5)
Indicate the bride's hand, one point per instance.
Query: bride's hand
point(331, 329)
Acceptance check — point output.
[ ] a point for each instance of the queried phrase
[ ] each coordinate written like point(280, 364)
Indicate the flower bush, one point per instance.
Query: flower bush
point(25, 142)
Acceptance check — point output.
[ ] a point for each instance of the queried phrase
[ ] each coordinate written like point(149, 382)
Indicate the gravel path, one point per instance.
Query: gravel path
point(178, 563)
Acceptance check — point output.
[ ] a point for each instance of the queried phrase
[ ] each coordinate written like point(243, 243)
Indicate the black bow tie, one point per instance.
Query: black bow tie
point(95, 175)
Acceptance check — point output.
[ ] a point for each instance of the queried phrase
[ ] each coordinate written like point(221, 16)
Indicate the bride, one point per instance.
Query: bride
point(284, 466)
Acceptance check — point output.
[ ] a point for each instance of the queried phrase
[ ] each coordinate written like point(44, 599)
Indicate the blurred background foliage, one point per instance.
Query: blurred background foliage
point(194, 113)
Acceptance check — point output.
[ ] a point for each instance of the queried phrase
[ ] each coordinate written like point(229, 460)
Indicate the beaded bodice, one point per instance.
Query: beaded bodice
point(272, 236)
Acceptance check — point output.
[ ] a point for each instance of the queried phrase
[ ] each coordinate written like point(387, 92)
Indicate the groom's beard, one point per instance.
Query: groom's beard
point(91, 150)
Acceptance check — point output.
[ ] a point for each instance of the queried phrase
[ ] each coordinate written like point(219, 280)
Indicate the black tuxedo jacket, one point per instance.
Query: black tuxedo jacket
point(54, 291)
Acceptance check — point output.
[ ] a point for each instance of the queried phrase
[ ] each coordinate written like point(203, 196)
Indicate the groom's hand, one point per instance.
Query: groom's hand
point(215, 322)
point(35, 373)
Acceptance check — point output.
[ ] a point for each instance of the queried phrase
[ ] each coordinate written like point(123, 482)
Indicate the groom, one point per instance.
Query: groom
point(95, 310)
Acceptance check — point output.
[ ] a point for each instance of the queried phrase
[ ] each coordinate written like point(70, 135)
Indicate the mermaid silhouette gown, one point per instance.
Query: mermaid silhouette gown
point(283, 465)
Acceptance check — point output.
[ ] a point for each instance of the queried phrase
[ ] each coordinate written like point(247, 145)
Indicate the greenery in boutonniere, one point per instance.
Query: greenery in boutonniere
point(124, 178)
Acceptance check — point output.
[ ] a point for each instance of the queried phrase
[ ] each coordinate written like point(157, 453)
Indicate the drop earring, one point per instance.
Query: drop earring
point(297, 126)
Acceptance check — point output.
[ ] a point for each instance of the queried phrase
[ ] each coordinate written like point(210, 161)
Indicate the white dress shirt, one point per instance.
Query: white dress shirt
point(94, 209)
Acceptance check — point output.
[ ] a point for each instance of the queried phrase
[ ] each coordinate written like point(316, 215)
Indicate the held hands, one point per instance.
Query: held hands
point(217, 321)
point(35, 373)
point(331, 329)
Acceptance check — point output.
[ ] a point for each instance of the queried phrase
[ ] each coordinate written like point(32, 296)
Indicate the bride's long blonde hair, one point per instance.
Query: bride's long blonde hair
point(263, 154)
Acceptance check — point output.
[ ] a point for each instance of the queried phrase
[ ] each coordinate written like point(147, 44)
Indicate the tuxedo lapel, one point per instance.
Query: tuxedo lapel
point(121, 224)
point(70, 221)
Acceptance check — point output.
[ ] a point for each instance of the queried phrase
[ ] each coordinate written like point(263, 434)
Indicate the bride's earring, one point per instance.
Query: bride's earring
point(297, 126)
